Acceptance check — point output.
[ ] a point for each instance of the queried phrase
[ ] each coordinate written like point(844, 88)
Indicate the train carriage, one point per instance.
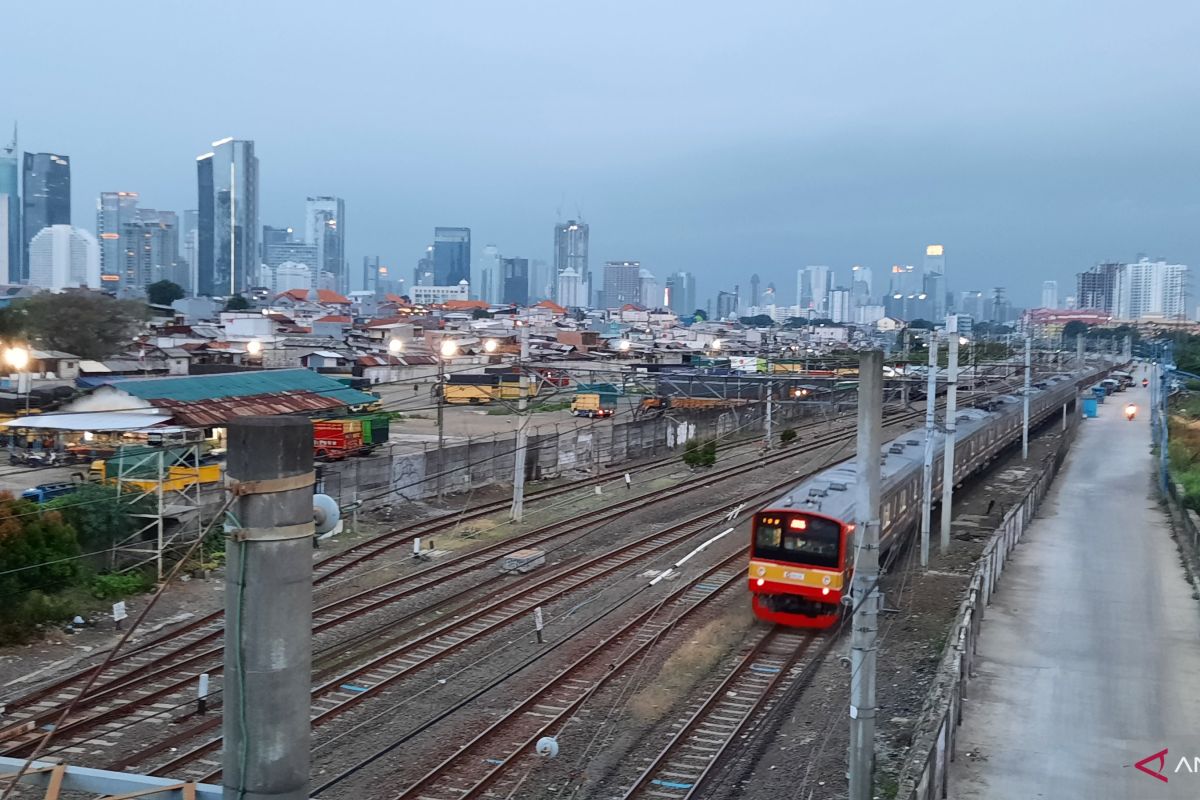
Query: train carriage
point(802, 544)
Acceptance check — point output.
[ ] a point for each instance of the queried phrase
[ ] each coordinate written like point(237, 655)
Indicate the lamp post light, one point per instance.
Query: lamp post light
point(490, 346)
point(624, 345)
point(395, 347)
point(447, 349)
point(18, 358)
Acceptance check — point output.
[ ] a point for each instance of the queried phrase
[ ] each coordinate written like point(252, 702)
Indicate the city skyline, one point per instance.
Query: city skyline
point(734, 162)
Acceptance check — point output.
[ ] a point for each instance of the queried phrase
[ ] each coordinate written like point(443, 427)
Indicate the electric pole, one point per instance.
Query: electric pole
point(268, 610)
point(865, 593)
point(930, 429)
point(950, 426)
point(518, 501)
point(1025, 401)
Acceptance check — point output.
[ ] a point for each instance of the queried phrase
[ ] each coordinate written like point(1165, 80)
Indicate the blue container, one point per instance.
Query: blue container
point(1100, 393)
point(1090, 407)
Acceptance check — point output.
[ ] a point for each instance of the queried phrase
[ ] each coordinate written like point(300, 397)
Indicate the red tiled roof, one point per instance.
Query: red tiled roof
point(463, 305)
point(323, 296)
point(632, 307)
point(336, 318)
point(385, 322)
point(553, 306)
point(395, 298)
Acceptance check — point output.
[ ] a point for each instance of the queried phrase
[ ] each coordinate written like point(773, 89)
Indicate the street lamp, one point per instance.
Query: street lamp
point(624, 345)
point(716, 345)
point(448, 348)
point(490, 346)
point(395, 347)
point(254, 347)
point(18, 358)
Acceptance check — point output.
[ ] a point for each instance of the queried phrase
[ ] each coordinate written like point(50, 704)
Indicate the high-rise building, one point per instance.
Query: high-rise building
point(1096, 288)
point(451, 256)
point(281, 245)
point(1049, 294)
point(1000, 307)
point(1151, 289)
point(516, 281)
point(569, 291)
point(325, 229)
point(423, 272)
point(489, 278)
point(10, 213)
point(227, 223)
point(571, 250)
point(188, 242)
point(754, 295)
point(151, 243)
point(840, 307)
point(370, 274)
point(681, 293)
point(621, 284)
point(971, 304)
point(812, 289)
point(62, 257)
point(727, 305)
point(541, 285)
point(115, 210)
point(935, 279)
point(648, 294)
point(45, 199)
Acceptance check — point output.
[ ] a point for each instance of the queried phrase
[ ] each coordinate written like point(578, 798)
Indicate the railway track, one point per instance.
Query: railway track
point(141, 679)
point(484, 762)
point(31, 709)
point(686, 761)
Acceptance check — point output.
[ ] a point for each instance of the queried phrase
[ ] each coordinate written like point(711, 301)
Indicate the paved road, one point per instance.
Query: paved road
point(1090, 654)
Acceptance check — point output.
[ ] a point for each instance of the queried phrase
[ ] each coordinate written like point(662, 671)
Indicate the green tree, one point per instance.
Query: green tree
point(99, 515)
point(164, 292)
point(700, 452)
point(237, 303)
point(481, 313)
point(757, 321)
point(788, 436)
point(921, 325)
point(37, 558)
point(1073, 329)
point(98, 325)
point(699, 315)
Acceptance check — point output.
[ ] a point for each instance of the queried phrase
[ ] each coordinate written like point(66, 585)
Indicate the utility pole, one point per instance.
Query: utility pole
point(1025, 402)
point(1079, 343)
point(518, 501)
point(930, 428)
point(866, 576)
point(951, 413)
point(268, 610)
point(441, 402)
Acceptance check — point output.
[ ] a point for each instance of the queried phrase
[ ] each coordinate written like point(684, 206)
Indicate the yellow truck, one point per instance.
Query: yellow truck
point(178, 477)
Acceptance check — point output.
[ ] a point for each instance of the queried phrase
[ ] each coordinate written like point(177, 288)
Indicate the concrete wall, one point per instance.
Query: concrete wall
point(554, 452)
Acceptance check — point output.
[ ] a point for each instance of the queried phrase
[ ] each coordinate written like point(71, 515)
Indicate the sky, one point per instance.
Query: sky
point(1032, 139)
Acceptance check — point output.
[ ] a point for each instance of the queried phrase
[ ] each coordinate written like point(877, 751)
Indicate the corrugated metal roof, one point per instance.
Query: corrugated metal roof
point(225, 385)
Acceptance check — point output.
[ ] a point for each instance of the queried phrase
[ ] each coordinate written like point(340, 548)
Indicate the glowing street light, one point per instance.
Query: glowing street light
point(254, 347)
point(716, 344)
point(490, 345)
point(449, 348)
point(624, 345)
point(17, 357)
point(395, 347)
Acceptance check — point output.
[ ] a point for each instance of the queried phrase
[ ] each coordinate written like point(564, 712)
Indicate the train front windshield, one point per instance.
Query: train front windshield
point(797, 539)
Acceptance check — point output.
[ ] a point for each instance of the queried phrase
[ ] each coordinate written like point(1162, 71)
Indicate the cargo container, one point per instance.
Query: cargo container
point(595, 400)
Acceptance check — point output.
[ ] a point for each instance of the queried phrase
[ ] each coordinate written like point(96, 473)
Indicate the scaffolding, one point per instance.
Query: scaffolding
point(171, 478)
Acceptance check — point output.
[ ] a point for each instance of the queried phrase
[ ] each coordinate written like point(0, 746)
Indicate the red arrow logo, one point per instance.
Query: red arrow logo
point(1161, 758)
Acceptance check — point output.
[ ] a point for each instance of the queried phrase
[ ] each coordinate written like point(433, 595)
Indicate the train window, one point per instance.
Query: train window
point(799, 540)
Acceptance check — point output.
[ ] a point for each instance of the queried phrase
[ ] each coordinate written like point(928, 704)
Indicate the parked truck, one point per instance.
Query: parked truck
point(335, 439)
point(595, 400)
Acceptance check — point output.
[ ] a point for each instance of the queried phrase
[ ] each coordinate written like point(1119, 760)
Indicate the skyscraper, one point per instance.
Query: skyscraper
point(1096, 288)
point(489, 278)
point(228, 228)
point(325, 228)
point(1049, 294)
point(621, 283)
point(188, 242)
point(934, 283)
point(649, 295)
point(681, 293)
point(1150, 289)
point(10, 213)
point(45, 199)
point(754, 295)
point(569, 291)
point(62, 257)
point(151, 243)
point(571, 250)
point(516, 281)
point(812, 289)
point(451, 256)
point(114, 210)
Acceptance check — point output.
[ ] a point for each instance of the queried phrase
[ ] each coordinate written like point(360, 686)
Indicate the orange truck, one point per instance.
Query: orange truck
point(335, 439)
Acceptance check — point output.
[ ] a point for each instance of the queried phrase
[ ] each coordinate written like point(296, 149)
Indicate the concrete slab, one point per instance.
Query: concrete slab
point(1089, 659)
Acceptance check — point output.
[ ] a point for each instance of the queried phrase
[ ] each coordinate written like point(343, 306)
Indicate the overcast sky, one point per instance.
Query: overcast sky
point(1032, 139)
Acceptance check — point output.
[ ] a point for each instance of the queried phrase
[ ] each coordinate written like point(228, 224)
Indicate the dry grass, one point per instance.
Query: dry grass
point(689, 664)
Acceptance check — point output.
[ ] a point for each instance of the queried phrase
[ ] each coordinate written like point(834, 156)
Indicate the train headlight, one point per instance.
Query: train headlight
point(825, 590)
point(761, 581)
point(826, 580)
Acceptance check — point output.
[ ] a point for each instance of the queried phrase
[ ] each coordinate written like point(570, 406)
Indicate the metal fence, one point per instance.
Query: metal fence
point(926, 768)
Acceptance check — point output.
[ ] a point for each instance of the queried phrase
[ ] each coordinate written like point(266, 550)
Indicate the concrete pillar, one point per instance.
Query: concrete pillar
point(268, 610)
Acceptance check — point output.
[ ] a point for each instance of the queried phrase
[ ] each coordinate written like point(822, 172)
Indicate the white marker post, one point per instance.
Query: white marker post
point(202, 694)
point(537, 623)
point(118, 613)
point(628, 482)
point(417, 547)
